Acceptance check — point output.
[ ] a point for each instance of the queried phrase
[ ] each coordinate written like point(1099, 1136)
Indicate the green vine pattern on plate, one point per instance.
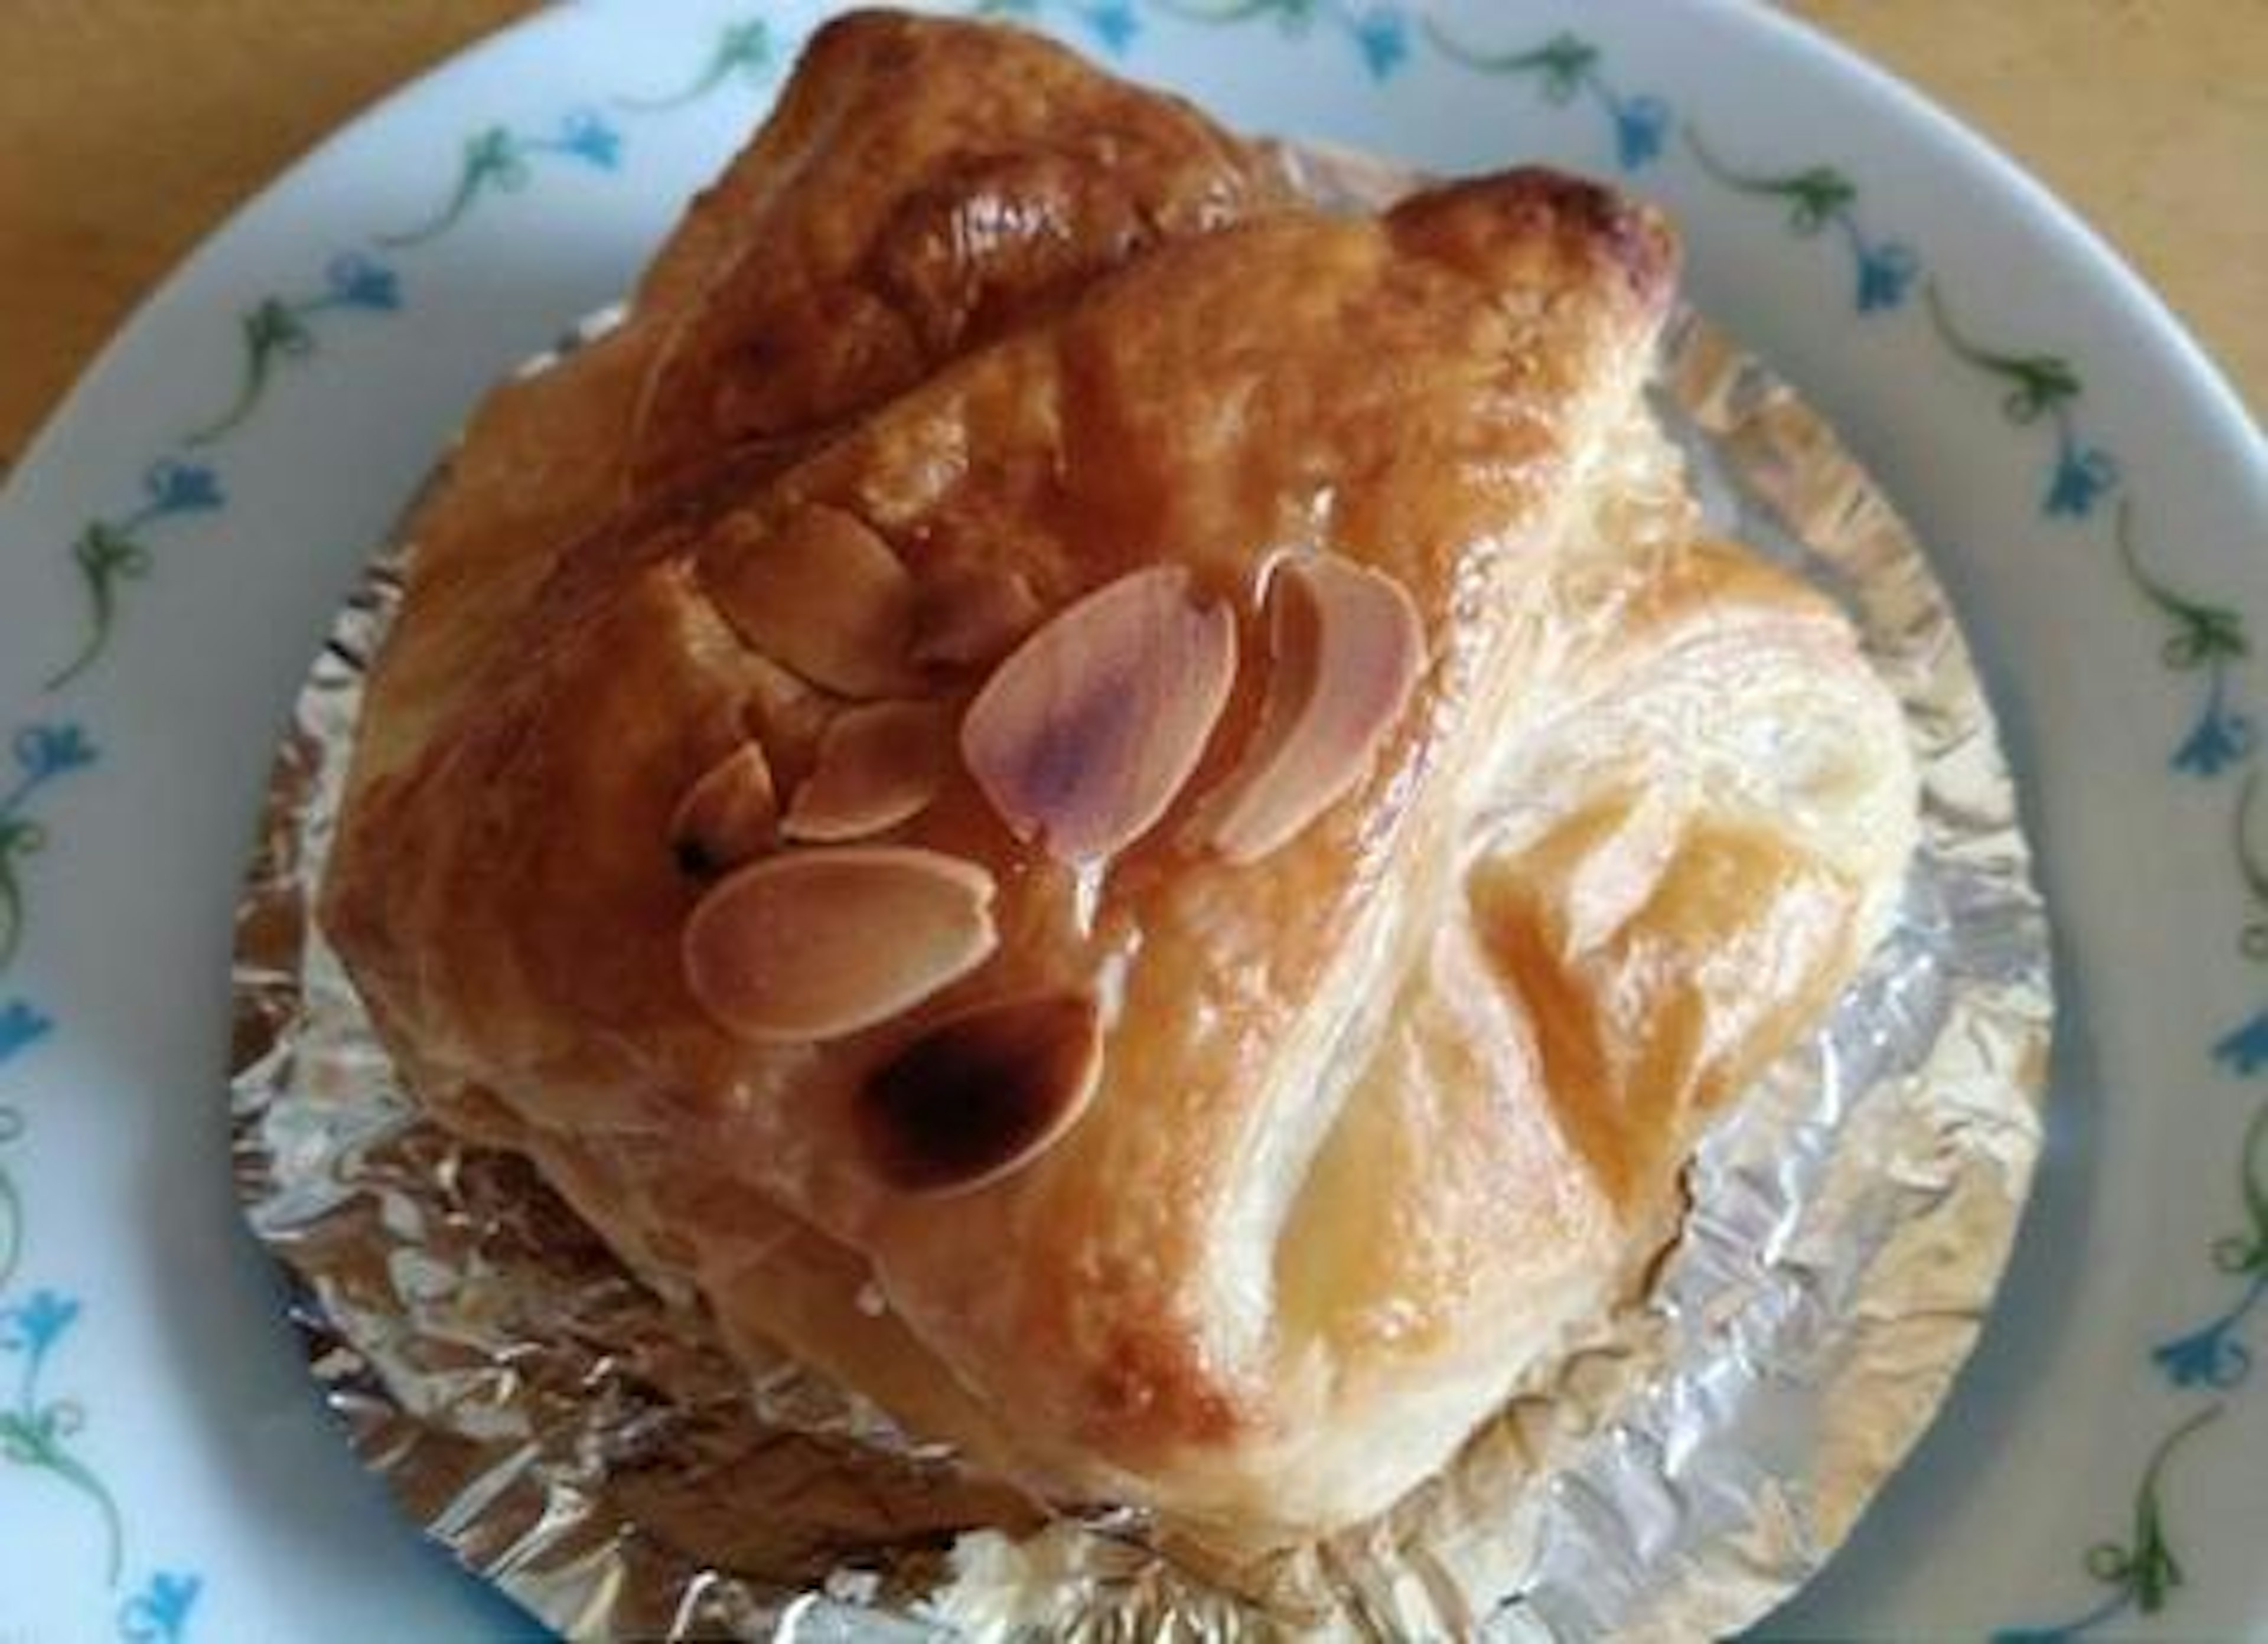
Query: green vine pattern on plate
point(499, 160)
point(2213, 1354)
point(2141, 1574)
point(109, 552)
point(2037, 385)
point(2207, 638)
point(1564, 68)
point(1817, 198)
point(42, 753)
point(37, 1432)
point(281, 328)
point(743, 51)
point(114, 550)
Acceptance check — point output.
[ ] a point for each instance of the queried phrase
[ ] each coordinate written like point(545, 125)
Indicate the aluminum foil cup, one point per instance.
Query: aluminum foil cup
point(584, 1442)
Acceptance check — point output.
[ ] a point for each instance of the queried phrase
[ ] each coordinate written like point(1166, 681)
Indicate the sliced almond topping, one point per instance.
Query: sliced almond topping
point(726, 818)
point(821, 593)
point(1346, 647)
point(1084, 734)
point(813, 944)
point(970, 617)
point(878, 765)
point(982, 1094)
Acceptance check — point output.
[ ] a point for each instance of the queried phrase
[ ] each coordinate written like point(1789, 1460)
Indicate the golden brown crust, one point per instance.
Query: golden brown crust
point(1379, 1110)
point(924, 184)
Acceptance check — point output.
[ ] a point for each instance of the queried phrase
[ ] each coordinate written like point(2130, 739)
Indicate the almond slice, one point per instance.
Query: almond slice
point(1346, 647)
point(813, 944)
point(782, 711)
point(982, 1094)
point(1086, 733)
point(878, 765)
point(821, 594)
point(966, 618)
point(726, 817)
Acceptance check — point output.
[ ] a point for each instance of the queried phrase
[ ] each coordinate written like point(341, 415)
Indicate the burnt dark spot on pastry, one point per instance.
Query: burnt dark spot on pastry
point(694, 860)
point(980, 1094)
point(727, 817)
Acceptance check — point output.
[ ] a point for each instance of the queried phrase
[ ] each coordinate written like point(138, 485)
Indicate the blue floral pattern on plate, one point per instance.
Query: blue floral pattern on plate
point(37, 1430)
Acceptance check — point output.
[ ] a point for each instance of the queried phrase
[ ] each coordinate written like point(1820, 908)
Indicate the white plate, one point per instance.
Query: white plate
point(177, 537)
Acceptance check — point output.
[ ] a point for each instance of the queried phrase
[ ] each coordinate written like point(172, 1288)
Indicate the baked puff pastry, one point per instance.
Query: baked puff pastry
point(1164, 888)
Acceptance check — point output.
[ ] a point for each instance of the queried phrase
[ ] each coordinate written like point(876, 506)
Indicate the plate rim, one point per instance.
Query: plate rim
point(2201, 380)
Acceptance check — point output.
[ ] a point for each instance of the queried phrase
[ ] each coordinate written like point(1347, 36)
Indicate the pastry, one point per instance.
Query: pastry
point(1160, 882)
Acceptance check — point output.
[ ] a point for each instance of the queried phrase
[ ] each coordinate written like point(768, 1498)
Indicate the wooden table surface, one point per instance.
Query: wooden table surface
point(129, 128)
